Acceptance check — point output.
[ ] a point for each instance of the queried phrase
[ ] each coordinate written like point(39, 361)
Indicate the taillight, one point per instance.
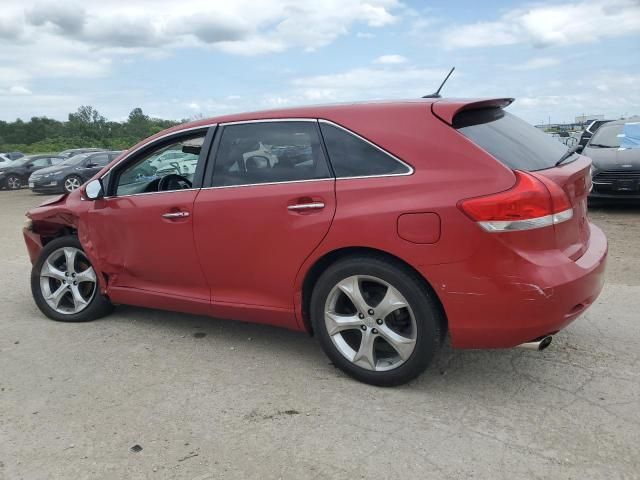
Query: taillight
point(533, 202)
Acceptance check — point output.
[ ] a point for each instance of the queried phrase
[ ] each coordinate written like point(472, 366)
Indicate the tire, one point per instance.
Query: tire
point(13, 182)
point(415, 319)
point(71, 183)
point(81, 301)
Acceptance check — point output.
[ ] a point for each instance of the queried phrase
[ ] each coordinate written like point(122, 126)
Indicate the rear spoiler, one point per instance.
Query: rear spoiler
point(447, 108)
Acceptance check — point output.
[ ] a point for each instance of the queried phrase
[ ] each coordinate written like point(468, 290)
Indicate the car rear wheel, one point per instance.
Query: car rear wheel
point(65, 285)
point(14, 182)
point(376, 320)
point(72, 183)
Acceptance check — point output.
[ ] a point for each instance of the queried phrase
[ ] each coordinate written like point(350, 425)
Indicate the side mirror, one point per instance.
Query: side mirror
point(579, 148)
point(94, 190)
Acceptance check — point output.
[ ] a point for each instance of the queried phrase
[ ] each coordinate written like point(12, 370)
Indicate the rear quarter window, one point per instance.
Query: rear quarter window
point(352, 156)
point(511, 140)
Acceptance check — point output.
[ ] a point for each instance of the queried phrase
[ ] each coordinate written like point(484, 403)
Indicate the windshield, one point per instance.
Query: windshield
point(607, 137)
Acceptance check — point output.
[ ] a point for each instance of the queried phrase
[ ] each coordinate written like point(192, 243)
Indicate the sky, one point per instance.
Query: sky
point(200, 58)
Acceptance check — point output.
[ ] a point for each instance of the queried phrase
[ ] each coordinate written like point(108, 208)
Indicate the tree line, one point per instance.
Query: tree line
point(84, 128)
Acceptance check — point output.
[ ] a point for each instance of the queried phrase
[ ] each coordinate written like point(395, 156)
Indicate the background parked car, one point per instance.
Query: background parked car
point(615, 171)
point(13, 155)
point(591, 129)
point(15, 175)
point(71, 173)
point(72, 152)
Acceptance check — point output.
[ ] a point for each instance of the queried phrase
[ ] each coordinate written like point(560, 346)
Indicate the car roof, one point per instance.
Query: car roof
point(41, 155)
point(447, 108)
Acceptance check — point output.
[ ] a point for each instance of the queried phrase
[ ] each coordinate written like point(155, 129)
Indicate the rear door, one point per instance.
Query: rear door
point(520, 146)
point(270, 202)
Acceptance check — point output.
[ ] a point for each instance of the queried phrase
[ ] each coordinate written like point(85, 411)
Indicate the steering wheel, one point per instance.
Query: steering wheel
point(173, 182)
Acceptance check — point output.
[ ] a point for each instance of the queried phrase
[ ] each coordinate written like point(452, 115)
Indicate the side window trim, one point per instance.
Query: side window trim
point(360, 137)
point(215, 147)
point(167, 139)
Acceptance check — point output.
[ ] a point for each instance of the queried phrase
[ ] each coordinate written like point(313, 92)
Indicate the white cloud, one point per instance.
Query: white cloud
point(46, 39)
point(535, 63)
point(546, 25)
point(239, 26)
point(391, 59)
point(19, 90)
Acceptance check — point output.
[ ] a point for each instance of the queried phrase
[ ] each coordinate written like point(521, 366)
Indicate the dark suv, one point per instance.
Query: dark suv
point(15, 175)
point(70, 174)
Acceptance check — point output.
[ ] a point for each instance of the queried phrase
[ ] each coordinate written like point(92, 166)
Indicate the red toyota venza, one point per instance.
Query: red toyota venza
point(379, 227)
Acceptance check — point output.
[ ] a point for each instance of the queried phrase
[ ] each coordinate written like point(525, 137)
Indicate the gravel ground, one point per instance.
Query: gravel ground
point(209, 399)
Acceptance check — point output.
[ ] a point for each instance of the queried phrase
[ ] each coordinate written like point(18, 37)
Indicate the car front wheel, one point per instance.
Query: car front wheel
point(376, 320)
point(65, 285)
point(72, 183)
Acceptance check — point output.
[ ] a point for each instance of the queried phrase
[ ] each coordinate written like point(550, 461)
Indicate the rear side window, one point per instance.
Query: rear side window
point(513, 141)
point(352, 156)
point(269, 152)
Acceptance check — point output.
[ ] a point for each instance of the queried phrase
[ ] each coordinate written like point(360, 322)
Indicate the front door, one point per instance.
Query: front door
point(270, 203)
point(143, 228)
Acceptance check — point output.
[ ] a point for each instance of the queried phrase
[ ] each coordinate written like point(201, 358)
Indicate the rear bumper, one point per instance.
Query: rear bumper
point(522, 298)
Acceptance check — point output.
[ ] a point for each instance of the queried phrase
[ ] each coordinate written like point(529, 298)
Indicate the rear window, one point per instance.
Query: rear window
point(513, 141)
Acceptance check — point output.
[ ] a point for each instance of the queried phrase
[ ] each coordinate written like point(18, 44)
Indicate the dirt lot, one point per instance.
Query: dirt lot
point(212, 399)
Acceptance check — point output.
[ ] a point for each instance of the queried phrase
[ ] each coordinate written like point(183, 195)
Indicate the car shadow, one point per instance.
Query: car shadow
point(465, 370)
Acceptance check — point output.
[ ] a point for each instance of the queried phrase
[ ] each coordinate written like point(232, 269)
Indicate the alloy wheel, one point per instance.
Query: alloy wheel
point(14, 183)
point(370, 323)
point(67, 280)
point(71, 184)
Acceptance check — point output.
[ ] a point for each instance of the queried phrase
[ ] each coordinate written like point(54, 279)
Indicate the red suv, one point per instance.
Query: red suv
point(379, 227)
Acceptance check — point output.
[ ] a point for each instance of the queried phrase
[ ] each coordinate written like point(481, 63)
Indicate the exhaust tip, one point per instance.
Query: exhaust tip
point(545, 342)
point(539, 344)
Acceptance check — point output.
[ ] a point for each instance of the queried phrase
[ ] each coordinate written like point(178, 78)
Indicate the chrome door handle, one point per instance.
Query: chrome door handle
point(306, 206)
point(175, 215)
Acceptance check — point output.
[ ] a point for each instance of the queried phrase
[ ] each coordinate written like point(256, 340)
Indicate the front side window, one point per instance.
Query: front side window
point(99, 160)
point(352, 156)
point(267, 152)
point(145, 174)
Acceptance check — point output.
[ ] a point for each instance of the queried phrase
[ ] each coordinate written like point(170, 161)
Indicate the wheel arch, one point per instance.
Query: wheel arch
point(322, 263)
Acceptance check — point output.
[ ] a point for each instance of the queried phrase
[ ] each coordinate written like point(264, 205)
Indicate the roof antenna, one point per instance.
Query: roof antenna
point(437, 94)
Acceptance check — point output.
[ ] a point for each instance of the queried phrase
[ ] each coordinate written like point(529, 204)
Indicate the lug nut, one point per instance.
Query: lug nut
point(73, 274)
point(361, 316)
point(371, 312)
point(75, 283)
point(66, 274)
point(379, 321)
point(363, 327)
point(374, 331)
